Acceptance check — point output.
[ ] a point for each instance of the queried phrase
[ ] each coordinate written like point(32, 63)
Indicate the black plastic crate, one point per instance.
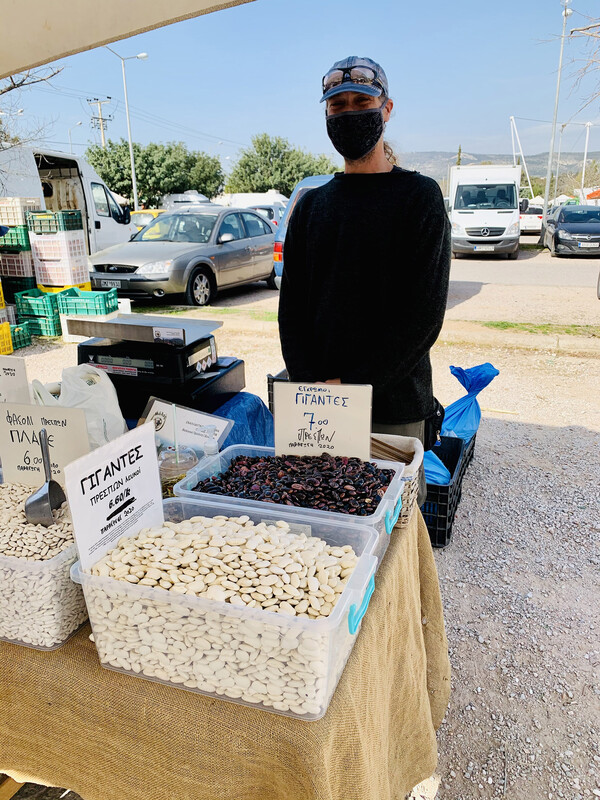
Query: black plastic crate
point(10, 286)
point(442, 501)
point(281, 376)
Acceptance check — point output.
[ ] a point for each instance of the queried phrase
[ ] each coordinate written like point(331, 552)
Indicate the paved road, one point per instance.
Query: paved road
point(533, 268)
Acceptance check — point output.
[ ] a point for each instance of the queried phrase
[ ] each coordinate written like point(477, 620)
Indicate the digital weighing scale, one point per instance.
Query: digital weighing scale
point(171, 358)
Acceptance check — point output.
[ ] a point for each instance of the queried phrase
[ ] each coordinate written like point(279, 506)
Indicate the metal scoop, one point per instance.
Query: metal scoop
point(40, 504)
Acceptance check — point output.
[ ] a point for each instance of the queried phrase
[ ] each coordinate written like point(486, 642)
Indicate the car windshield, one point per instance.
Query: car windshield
point(534, 210)
point(486, 195)
point(142, 219)
point(571, 215)
point(194, 228)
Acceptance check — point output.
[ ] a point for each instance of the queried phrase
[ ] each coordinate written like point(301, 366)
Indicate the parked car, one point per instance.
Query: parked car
point(196, 251)
point(273, 212)
point(172, 202)
point(144, 217)
point(573, 230)
point(531, 220)
point(304, 186)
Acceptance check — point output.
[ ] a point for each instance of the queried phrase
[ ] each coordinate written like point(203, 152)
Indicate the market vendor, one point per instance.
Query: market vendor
point(366, 263)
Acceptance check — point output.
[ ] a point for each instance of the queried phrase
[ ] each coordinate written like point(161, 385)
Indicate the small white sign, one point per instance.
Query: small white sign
point(173, 336)
point(20, 426)
point(315, 418)
point(194, 428)
point(113, 492)
point(14, 387)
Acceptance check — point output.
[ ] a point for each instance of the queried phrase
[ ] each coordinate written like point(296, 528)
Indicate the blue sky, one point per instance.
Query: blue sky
point(457, 71)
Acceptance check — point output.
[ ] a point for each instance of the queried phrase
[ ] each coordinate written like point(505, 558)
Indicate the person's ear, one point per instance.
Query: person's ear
point(387, 110)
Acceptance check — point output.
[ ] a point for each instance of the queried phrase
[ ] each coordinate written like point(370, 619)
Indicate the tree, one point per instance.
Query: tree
point(272, 163)
point(459, 156)
point(159, 168)
point(591, 35)
point(15, 83)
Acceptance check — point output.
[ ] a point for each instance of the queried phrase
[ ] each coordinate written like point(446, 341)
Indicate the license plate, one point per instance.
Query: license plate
point(110, 284)
point(484, 248)
point(588, 244)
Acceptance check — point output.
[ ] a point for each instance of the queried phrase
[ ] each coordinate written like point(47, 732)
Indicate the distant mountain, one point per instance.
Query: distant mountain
point(435, 162)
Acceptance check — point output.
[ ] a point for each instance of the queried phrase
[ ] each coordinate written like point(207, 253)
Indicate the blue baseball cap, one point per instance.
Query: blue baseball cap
point(375, 87)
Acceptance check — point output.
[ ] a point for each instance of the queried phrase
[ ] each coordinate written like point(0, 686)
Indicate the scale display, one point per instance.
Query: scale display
point(117, 361)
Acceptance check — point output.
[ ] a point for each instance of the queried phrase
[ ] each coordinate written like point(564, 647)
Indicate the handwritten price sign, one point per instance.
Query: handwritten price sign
point(312, 418)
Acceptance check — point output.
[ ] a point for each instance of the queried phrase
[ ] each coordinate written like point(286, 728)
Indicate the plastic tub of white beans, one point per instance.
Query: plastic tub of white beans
point(383, 517)
point(241, 604)
point(40, 606)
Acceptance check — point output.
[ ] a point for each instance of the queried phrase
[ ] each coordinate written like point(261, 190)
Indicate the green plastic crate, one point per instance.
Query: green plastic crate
point(44, 326)
point(54, 221)
point(76, 301)
point(34, 303)
point(16, 239)
point(21, 335)
point(10, 286)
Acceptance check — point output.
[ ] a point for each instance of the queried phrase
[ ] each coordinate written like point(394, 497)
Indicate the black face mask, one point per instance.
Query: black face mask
point(354, 134)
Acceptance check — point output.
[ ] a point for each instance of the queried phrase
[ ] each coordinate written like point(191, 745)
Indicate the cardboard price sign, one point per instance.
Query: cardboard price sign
point(194, 428)
point(14, 387)
point(315, 418)
point(113, 492)
point(20, 427)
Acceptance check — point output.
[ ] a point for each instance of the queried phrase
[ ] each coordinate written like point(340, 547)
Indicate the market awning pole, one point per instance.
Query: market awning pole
point(585, 153)
point(565, 13)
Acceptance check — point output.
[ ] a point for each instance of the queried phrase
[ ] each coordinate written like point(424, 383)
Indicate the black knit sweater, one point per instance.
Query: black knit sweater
point(364, 287)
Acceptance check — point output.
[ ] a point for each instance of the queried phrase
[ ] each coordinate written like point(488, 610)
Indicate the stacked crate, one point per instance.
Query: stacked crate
point(58, 248)
point(16, 262)
point(40, 311)
point(99, 306)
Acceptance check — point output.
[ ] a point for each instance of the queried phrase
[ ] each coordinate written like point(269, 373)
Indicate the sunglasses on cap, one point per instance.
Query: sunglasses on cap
point(361, 75)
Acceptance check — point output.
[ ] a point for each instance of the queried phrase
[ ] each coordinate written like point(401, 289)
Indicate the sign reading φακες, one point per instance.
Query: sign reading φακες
point(20, 449)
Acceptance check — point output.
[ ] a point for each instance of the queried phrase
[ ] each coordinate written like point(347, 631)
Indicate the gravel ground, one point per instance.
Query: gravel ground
point(519, 579)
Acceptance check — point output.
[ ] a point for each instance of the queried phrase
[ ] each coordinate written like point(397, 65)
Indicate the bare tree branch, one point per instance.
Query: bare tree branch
point(28, 78)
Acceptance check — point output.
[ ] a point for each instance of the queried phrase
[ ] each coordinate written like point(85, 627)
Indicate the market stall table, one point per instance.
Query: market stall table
point(65, 721)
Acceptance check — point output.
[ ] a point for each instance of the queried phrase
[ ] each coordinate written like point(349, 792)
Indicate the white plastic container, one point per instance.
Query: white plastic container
point(244, 655)
point(40, 607)
point(13, 210)
point(17, 265)
point(383, 519)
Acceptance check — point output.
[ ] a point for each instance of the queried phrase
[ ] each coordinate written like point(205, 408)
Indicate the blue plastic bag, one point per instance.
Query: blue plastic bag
point(464, 415)
point(253, 421)
point(435, 471)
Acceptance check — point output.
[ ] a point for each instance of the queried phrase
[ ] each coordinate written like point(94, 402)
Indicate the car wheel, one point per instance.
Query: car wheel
point(513, 256)
point(552, 249)
point(201, 288)
point(270, 281)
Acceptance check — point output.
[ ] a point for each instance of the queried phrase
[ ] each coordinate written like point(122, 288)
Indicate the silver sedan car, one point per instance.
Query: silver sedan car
point(195, 251)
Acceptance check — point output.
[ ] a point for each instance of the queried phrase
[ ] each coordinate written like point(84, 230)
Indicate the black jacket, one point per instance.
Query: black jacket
point(364, 287)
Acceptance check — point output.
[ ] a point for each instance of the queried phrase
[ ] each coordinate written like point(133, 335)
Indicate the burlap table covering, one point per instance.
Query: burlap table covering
point(65, 721)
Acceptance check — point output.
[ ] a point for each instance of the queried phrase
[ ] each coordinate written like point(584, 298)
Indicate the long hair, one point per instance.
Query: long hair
point(389, 153)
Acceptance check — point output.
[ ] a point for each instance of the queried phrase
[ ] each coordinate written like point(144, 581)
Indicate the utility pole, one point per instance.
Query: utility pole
point(100, 121)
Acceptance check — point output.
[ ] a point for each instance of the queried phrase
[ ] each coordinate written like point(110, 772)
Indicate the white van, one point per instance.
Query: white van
point(64, 182)
point(484, 209)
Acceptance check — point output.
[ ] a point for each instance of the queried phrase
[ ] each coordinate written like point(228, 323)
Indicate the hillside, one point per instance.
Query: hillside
point(435, 162)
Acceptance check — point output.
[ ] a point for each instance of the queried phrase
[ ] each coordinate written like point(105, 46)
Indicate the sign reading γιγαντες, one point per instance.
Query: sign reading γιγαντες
point(316, 418)
point(113, 492)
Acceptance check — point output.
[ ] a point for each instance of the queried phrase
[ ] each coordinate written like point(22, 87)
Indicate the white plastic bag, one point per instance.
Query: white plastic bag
point(92, 390)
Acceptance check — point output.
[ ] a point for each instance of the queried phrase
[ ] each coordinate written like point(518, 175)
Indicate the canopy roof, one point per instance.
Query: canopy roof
point(35, 34)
